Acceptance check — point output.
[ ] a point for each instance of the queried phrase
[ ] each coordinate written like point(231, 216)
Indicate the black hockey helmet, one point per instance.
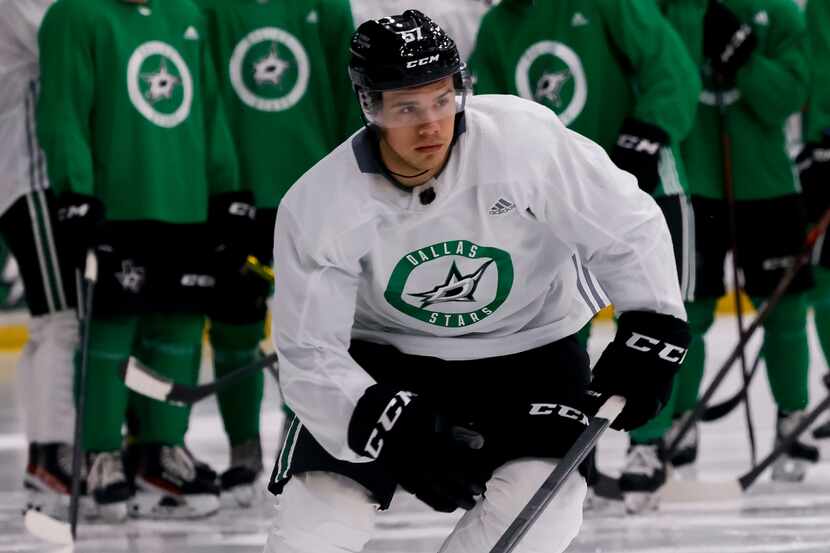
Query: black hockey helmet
point(402, 51)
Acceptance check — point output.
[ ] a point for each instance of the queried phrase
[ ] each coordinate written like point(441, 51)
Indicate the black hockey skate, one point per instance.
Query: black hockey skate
point(792, 465)
point(108, 485)
point(245, 469)
point(642, 476)
point(48, 478)
point(168, 484)
point(685, 455)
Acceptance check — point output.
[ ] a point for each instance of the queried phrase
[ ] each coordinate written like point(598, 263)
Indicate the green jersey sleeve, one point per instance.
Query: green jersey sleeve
point(774, 81)
point(67, 96)
point(818, 105)
point(667, 80)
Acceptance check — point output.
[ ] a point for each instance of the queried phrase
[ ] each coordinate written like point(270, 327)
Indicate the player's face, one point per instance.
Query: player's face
point(418, 127)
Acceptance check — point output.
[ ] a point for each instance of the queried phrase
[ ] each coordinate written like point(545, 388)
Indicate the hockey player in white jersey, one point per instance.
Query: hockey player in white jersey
point(27, 208)
point(429, 287)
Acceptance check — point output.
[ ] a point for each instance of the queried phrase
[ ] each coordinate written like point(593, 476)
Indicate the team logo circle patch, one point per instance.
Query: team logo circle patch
point(159, 84)
point(269, 69)
point(451, 284)
point(551, 73)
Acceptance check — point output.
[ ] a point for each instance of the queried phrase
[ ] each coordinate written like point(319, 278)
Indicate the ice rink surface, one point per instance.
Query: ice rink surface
point(770, 518)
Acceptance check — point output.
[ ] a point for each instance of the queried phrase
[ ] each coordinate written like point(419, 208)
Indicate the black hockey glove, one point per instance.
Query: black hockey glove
point(231, 217)
point(80, 218)
point(638, 152)
point(727, 42)
point(640, 364)
point(814, 169)
point(440, 464)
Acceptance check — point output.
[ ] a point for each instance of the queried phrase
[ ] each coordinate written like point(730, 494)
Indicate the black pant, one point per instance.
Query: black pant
point(28, 227)
point(491, 396)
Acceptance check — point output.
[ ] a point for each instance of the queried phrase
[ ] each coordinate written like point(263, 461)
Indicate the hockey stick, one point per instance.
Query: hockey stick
point(689, 490)
point(564, 468)
point(37, 523)
point(729, 191)
point(146, 382)
point(760, 318)
point(725, 407)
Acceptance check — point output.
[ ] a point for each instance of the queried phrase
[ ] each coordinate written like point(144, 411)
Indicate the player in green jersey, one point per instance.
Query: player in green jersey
point(752, 55)
point(282, 78)
point(140, 155)
point(617, 72)
point(814, 165)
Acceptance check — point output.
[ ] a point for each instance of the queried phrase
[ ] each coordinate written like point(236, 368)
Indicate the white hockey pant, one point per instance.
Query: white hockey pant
point(320, 512)
point(46, 376)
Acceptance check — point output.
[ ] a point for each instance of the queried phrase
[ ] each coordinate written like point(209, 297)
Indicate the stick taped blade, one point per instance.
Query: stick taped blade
point(145, 382)
point(47, 528)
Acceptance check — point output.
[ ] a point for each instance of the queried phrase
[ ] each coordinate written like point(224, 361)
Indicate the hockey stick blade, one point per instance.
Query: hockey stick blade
point(47, 528)
point(564, 468)
point(147, 382)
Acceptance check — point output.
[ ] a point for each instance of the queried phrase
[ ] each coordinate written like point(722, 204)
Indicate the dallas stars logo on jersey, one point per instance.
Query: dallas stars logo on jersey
point(159, 84)
point(451, 284)
point(269, 69)
point(551, 73)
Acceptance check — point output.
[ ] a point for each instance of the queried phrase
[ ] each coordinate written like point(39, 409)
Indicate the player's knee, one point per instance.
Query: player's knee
point(508, 491)
point(559, 524)
point(322, 512)
point(701, 315)
point(789, 317)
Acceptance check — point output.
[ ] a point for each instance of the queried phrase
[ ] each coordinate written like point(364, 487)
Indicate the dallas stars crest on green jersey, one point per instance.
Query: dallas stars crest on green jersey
point(451, 284)
point(159, 83)
point(269, 69)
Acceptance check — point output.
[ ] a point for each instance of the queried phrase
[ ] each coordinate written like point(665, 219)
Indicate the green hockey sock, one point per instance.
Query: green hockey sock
point(820, 298)
point(787, 353)
point(110, 342)
point(236, 345)
point(168, 344)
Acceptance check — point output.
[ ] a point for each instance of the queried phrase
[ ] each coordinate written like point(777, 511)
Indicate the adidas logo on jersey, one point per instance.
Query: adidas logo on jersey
point(191, 33)
point(579, 20)
point(312, 17)
point(501, 207)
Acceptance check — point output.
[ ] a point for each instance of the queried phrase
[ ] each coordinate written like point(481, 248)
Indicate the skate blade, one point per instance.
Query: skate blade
point(641, 502)
point(166, 506)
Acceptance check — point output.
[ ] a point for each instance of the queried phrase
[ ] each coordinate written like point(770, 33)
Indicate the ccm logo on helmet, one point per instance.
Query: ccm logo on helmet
point(668, 352)
point(422, 61)
point(386, 422)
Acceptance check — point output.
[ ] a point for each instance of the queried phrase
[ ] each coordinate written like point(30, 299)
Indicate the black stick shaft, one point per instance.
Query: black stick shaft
point(85, 307)
point(545, 494)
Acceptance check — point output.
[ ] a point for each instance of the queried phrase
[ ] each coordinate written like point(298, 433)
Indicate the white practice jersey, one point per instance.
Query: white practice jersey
point(459, 18)
point(22, 164)
point(491, 267)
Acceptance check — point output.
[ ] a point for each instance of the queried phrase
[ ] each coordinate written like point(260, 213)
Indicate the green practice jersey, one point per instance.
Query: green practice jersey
point(282, 73)
point(770, 87)
point(593, 62)
point(129, 110)
point(817, 117)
